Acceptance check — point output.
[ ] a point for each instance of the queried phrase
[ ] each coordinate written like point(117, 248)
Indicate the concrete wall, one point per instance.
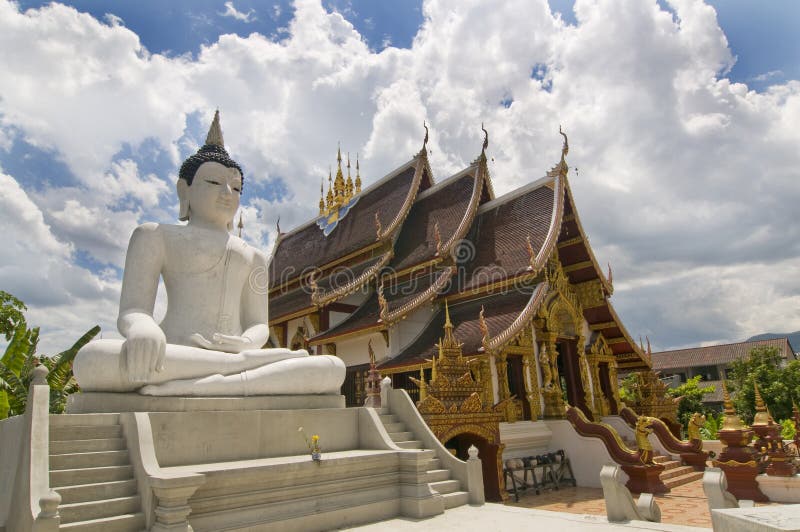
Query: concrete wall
point(184, 438)
point(11, 431)
point(354, 351)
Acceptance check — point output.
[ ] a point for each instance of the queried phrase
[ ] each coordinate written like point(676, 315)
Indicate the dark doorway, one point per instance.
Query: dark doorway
point(570, 375)
point(487, 452)
point(516, 383)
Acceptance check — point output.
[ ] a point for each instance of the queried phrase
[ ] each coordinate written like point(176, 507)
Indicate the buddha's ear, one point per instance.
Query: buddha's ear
point(183, 199)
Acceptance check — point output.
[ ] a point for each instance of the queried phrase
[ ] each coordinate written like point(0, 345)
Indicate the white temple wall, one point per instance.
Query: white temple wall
point(355, 351)
point(405, 331)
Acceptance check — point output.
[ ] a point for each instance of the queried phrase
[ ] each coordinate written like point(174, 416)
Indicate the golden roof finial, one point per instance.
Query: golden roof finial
point(382, 303)
point(762, 416)
point(531, 253)
point(425, 140)
point(214, 136)
point(484, 328)
point(485, 140)
point(565, 148)
point(321, 197)
point(358, 176)
point(278, 225)
point(437, 236)
point(241, 224)
point(730, 420)
point(348, 187)
point(610, 275)
point(649, 351)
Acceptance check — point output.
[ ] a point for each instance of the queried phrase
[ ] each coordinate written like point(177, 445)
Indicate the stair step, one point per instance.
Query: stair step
point(410, 444)
point(445, 486)
point(92, 459)
point(67, 420)
point(394, 427)
point(90, 475)
point(401, 436)
point(388, 418)
point(85, 432)
point(684, 479)
point(670, 464)
point(456, 498)
point(118, 523)
point(86, 446)
point(96, 492)
point(435, 463)
point(383, 411)
point(676, 472)
point(92, 510)
point(436, 475)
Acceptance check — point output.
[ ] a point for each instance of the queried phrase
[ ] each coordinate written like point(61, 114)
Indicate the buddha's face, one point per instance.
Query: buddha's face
point(213, 196)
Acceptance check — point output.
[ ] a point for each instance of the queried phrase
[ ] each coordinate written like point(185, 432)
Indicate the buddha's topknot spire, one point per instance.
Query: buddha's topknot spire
point(214, 137)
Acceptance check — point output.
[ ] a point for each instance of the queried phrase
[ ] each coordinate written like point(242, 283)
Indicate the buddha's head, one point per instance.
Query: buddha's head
point(210, 182)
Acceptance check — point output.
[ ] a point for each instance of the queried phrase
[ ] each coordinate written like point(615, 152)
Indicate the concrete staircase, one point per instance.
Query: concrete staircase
point(675, 474)
point(438, 478)
point(91, 470)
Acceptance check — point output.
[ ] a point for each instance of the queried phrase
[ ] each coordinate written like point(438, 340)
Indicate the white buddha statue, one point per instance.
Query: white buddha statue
point(210, 341)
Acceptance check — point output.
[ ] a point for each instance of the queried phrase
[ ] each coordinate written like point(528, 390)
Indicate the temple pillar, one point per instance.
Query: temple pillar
point(553, 397)
point(531, 384)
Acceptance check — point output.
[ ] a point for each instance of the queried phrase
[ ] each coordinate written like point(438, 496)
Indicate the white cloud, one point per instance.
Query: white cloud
point(688, 182)
point(231, 11)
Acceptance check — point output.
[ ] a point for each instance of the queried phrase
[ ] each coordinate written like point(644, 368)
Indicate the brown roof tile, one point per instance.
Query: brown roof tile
point(447, 206)
point(715, 354)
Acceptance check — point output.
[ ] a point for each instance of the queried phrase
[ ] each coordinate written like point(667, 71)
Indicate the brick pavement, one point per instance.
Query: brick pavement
point(684, 505)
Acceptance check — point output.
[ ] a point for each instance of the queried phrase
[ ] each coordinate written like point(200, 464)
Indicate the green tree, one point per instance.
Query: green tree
point(691, 395)
point(11, 315)
point(19, 359)
point(778, 385)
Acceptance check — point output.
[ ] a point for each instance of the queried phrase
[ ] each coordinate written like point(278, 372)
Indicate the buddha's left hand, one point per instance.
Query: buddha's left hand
point(224, 342)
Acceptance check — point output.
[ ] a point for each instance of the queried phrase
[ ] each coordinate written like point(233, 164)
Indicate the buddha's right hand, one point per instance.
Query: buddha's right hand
point(144, 351)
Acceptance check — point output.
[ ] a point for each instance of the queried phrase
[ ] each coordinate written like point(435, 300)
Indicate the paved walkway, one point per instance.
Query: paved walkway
point(684, 505)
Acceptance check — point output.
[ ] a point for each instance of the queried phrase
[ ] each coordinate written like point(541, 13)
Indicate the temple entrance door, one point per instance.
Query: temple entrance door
point(516, 383)
point(570, 374)
point(608, 391)
point(487, 452)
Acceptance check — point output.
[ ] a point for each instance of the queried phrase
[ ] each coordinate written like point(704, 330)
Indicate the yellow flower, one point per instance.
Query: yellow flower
point(315, 438)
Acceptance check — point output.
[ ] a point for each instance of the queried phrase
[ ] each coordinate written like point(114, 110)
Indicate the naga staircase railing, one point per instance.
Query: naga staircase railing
point(690, 451)
point(643, 473)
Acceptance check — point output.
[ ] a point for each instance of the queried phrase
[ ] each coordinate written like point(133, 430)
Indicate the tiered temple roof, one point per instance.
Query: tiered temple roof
point(450, 240)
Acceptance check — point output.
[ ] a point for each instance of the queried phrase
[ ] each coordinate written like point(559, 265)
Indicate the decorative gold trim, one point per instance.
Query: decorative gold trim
point(426, 295)
point(401, 215)
point(353, 285)
point(522, 320)
point(602, 325)
point(571, 242)
point(472, 208)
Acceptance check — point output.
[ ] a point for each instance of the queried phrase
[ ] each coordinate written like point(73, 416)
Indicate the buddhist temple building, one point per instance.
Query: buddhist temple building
point(528, 301)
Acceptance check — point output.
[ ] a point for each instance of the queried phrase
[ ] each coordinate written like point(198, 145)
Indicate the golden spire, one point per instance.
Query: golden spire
point(348, 187)
point(358, 177)
point(565, 148)
point(214, 136)
point(329, 204)
point(730, 420)
point(449, 341)
point(338, 182)
point(425, 140)
point(762, 416)
point(241, 224)
point(321, 197)
point(485, 141)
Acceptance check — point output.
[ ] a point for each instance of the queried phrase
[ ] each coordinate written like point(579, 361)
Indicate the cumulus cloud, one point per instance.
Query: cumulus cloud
point(687, 182)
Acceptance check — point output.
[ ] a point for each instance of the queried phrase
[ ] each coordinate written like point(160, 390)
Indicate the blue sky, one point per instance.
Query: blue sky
point(671, 129)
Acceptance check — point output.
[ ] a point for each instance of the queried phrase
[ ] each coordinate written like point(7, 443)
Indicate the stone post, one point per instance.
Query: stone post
point(172, 502)
point(475, 477)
